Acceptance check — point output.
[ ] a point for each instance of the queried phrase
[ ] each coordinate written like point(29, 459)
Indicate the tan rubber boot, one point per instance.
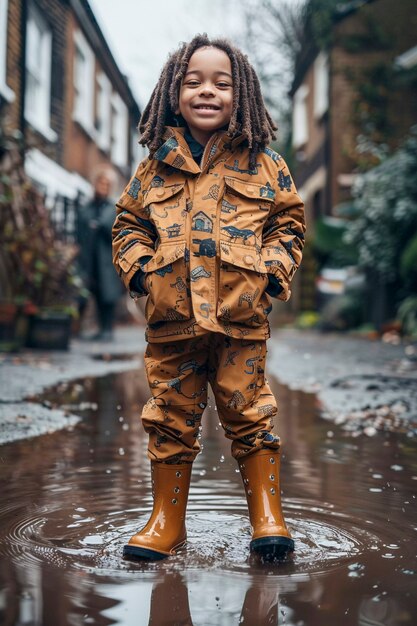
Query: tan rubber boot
point(165, 531)
point(260, 474)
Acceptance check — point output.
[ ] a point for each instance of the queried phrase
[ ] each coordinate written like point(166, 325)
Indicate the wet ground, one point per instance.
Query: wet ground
point(71, 499)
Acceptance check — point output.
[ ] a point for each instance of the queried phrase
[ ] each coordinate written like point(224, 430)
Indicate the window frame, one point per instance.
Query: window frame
point(103, 111)
point(5, 91)
point(119, 130)
point(300, 129)
point(321, 85)
point(83, 104)
point(38, 104)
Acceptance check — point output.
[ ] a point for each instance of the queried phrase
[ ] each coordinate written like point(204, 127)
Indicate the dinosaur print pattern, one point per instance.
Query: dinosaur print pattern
point(178, 381)
point(238, 233)
point(235, 167)
point(234, 226)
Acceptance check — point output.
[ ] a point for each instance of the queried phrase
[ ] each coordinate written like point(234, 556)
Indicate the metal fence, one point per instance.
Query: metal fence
point(64, 217)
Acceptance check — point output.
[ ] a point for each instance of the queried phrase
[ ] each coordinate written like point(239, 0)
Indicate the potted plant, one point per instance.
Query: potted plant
point(38, 281)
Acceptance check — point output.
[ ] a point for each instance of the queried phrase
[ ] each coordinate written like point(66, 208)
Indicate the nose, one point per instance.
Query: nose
point(206, 89)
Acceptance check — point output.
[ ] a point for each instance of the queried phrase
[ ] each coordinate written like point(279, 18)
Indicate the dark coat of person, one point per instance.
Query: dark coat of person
point(94, 235)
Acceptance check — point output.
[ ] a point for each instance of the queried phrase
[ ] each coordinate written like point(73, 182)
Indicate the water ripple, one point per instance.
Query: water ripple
point(218, 537)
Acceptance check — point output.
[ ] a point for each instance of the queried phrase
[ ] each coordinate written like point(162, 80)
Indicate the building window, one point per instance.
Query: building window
point(83, 111)
point(38, 73)
point(119, 134)
point(321, 85)
point(300, 119)
point(5, 91)
point(103, 111)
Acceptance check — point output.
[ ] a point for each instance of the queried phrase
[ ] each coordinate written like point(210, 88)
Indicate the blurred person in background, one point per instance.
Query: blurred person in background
point(95, 221)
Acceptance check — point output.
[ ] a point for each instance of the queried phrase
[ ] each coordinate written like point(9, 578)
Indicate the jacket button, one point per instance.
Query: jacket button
point(159, 258)
point(160, 193)
point(250, 190)
point(248, 259)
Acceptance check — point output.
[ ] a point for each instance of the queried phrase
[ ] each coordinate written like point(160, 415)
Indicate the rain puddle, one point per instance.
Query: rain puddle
point(70, 500)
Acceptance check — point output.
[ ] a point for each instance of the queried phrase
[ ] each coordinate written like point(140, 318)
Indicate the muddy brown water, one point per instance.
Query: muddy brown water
point(70, 500)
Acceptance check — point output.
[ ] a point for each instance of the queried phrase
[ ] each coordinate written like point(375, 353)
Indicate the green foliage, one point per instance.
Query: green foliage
point(408, 264)
point(307, 319)
point(386, 198)
point(329, 244)
point(407, 314)
point(373, 86)
point(318, 18)
point(34, 265)
point(342, 313)
point(372, 37)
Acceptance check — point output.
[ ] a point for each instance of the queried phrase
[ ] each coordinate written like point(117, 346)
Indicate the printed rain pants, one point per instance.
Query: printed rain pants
point(178, 374)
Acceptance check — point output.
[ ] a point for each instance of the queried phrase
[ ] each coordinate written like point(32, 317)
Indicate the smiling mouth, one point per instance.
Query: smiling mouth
point(206, 107)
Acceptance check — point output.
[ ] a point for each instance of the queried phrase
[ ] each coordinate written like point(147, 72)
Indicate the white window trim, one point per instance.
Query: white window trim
point(104, 133)
point(7, 93)
point(42, 125)
point(300, 117)
point(53, 178)
point(84, 115)
point(123, 114)
point(321, 85)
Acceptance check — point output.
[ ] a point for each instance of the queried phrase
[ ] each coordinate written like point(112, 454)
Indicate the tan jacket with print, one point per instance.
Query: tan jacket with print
point(214, 234)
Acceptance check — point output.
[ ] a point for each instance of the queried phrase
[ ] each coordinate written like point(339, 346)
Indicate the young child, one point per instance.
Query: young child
point(210, 228)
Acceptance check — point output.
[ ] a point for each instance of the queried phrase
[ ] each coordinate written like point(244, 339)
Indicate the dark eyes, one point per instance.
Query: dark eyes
point(196, 83)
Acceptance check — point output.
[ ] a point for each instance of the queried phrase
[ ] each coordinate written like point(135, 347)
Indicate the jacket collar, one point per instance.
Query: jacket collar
point(176, 152)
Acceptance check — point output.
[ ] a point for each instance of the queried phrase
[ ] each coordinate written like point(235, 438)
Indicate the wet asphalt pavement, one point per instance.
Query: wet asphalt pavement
point(70, 499)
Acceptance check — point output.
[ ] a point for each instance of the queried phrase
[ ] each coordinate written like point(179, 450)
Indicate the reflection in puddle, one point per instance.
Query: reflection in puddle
point(71, 500)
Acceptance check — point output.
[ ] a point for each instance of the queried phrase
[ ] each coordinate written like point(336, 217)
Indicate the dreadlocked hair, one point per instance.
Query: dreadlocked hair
point(249, 114)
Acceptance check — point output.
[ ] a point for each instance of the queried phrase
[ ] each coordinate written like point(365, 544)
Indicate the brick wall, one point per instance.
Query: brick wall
point(81, 153)
point(13, 70)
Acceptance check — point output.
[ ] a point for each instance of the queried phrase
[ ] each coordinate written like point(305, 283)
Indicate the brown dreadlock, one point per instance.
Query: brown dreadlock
point(249, 114)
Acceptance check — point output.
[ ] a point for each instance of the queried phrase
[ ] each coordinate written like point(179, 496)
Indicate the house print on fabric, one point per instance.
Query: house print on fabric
point(173, 230)
point(157, 181)
point(202, 222)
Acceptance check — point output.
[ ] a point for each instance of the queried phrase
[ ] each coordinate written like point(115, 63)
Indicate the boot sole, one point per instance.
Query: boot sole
point(137, 553)
point(272, 548)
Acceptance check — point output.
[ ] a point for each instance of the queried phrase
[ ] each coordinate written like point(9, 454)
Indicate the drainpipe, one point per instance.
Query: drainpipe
point(22, 70)
point(328, 141)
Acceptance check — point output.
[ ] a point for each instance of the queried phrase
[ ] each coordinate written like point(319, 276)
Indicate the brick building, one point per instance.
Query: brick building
point(342, 93)
point(61, 87)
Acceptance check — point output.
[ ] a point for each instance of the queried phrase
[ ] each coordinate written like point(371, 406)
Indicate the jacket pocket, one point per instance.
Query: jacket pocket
point(130, 255)
point(167, 283)
point(165, 207)
point(242, 282)
point(244, 209)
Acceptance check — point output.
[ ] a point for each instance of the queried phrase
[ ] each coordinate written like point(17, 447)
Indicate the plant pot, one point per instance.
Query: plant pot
point(49, 330)
point(13, 327)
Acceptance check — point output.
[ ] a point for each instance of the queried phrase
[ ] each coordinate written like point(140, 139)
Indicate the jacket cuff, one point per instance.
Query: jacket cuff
point(137, 285)
point(274, 288)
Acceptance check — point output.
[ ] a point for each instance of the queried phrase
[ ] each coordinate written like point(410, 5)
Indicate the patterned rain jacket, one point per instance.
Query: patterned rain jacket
point(212, 240)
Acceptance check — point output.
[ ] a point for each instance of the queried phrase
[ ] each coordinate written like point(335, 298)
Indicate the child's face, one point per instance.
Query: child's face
point(206, 93)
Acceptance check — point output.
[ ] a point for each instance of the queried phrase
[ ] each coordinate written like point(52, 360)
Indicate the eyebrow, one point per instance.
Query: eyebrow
point(200, 72)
